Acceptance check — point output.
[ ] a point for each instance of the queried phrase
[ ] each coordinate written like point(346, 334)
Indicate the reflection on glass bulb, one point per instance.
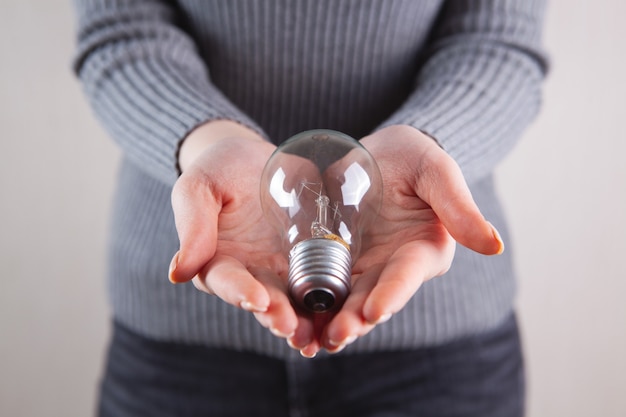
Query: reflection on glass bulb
point(321, 189)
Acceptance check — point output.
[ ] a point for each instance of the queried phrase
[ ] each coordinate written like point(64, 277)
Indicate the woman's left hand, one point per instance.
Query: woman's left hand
point(427, 206)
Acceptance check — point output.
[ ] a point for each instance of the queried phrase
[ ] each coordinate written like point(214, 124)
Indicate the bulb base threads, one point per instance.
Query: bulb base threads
point(319, 274)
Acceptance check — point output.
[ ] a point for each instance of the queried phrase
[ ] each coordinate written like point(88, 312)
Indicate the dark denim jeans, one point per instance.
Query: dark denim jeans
point(477, 376)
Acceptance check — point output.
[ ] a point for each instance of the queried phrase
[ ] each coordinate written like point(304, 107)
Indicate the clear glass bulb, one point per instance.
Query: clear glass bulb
point(321, 189)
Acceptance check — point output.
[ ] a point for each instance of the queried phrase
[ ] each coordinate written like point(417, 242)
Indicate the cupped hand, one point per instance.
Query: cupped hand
point(226, 247)
point(427, 206)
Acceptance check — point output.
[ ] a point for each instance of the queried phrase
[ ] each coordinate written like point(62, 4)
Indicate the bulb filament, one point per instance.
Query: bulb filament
point(321, 227)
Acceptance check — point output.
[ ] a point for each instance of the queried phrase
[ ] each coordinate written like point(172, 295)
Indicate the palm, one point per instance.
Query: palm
point(244, 234)
point(404, 245)
point(404, 221)
point(426, 203)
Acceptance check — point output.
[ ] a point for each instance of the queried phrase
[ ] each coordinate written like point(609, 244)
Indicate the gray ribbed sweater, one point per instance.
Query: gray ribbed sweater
point(466, 72)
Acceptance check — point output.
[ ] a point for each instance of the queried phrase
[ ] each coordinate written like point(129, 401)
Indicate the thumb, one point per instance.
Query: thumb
point(442, 184)
point(196, 211)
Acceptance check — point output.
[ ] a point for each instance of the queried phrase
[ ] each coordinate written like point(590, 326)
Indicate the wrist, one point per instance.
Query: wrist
point(408, 140)
point(206, 135)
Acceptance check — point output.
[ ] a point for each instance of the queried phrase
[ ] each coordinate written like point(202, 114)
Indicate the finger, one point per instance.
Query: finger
point(310, 351)
point(404, 273)
point(349, 323)
point(280, 317)
point(307, 337)
point(304, 334)
point(196, 213)
point(442, 185)
point(315, 324)
point(304, 338)
point(228, 279)
point(318, 322)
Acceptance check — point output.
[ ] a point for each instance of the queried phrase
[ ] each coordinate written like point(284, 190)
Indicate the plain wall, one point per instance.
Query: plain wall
point(563, 188)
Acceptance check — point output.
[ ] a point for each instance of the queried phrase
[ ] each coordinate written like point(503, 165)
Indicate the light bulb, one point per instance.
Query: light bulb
point(321, 189)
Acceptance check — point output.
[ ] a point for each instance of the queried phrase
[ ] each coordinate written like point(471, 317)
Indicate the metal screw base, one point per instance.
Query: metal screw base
point(319, 274)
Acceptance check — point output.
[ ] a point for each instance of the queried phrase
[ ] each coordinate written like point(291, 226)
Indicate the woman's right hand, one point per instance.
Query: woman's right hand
point(227, 248)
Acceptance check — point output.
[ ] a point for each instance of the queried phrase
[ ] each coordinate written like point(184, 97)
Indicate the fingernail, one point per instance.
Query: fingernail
point(293, 345)
point(248, 306)
point(172, 269)
point(384, 318)
point(498, 238)
point(348, 340)
point(307, 355)
point(336, 349)
point(278, 333)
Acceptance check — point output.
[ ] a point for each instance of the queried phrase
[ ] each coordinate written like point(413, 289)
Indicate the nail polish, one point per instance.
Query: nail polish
point(278, 333)
point(348, 340)
point(498, 238)
point(248, 306)
point(336, 349)
point(384, 318)
point(172, 268)
point(307, 355)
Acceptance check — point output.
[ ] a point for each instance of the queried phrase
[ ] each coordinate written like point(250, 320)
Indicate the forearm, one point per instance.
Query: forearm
point(480, 84)
point(145, 81)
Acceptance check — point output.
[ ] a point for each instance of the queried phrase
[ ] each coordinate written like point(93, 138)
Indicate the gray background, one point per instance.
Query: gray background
point(563, 188)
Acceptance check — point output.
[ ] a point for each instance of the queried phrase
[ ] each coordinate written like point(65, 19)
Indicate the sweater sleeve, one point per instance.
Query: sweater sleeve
point(145, 80)
point(479, 85)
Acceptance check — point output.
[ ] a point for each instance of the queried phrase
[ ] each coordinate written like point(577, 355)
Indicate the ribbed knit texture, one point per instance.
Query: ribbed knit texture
point(153, 71)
